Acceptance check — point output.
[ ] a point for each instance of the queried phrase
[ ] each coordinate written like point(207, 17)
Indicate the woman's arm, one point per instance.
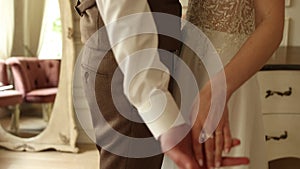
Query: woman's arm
point(260, 46)
point(254, 53)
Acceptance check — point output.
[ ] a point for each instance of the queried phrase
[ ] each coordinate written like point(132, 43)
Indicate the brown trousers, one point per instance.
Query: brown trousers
point(98, 83)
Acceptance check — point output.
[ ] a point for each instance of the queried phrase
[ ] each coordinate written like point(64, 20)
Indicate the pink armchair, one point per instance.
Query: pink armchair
point(36, 79)
point(9, 97)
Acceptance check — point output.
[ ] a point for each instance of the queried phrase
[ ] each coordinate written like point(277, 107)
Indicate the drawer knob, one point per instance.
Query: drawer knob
point(272, 92)
point(281, 137)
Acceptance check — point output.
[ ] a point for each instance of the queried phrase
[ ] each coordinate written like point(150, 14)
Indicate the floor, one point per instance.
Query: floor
point(31, 123)
point(28, 126)
point(87, 158)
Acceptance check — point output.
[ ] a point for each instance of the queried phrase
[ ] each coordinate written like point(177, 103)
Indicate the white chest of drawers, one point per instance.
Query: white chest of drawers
point(280, 94)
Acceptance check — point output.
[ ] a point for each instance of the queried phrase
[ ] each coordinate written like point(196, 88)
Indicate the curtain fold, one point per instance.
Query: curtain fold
point(33, 18)
point(6, 28)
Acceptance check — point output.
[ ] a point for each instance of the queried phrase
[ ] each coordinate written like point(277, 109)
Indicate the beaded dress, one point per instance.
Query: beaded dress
point(228, 23)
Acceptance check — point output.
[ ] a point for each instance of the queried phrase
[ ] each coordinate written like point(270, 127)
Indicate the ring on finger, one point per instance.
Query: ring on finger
point(204, 136)
point(218, 133)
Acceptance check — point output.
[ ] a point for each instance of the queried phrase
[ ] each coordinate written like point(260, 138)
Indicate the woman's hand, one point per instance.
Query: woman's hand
point(209, 153)
point(181, 150)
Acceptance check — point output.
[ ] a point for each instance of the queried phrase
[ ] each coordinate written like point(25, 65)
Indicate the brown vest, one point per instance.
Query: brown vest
point(91, 21)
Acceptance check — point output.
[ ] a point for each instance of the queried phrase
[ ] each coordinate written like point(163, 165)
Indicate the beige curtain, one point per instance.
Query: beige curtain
point(28, 21)
point(6, 28)
point(33, 17)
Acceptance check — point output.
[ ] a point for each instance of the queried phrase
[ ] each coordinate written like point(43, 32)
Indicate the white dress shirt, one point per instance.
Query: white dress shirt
point(148, 89)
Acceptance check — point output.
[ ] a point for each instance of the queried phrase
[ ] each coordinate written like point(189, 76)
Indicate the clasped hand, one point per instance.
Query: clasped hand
point(190, 153)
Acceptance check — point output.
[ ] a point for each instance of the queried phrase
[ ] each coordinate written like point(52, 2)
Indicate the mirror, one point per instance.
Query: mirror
point(59, 131)
point(38, 35)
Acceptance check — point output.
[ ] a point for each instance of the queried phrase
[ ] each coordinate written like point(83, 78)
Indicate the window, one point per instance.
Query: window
point(50, 45)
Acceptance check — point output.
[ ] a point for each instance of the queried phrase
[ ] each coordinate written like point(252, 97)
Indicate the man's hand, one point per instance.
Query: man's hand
point(176, 144)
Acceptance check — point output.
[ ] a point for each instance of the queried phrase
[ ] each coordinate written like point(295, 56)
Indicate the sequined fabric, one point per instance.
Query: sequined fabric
point(231, 16)
point(227, 23)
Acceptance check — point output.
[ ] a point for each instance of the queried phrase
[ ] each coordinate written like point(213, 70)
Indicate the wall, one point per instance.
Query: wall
point(293, 11)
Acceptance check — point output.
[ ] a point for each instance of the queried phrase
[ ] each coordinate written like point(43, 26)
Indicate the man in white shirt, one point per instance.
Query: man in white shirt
point(128, 104)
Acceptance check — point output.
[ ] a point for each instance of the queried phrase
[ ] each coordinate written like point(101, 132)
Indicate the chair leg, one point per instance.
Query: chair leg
point(15, 119)
point(47, 109)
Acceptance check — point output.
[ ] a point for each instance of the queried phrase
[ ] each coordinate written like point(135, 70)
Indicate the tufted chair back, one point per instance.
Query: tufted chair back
point(33, 73)
point(3, 73)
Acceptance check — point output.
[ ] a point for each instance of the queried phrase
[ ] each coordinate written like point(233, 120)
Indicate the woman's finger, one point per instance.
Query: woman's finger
point(198, 117)
point(209, 152)
point(235, 142)
point(234, 161)
point(227, 133)
point(219, 147)
point(227, 138)
point(198, 147)
point(198, 151)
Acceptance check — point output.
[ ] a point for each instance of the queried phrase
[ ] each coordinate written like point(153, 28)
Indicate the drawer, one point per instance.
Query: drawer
point(275, 125)
point(275, 83)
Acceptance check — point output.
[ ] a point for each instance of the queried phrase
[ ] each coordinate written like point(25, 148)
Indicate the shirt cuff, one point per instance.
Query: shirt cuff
point(161, 113)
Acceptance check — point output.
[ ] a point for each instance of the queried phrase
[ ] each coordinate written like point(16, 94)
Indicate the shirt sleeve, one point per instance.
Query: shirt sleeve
point(146, 79)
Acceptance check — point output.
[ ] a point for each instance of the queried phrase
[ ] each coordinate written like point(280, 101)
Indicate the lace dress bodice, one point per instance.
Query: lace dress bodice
point(227, 23)
point(231, 16)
